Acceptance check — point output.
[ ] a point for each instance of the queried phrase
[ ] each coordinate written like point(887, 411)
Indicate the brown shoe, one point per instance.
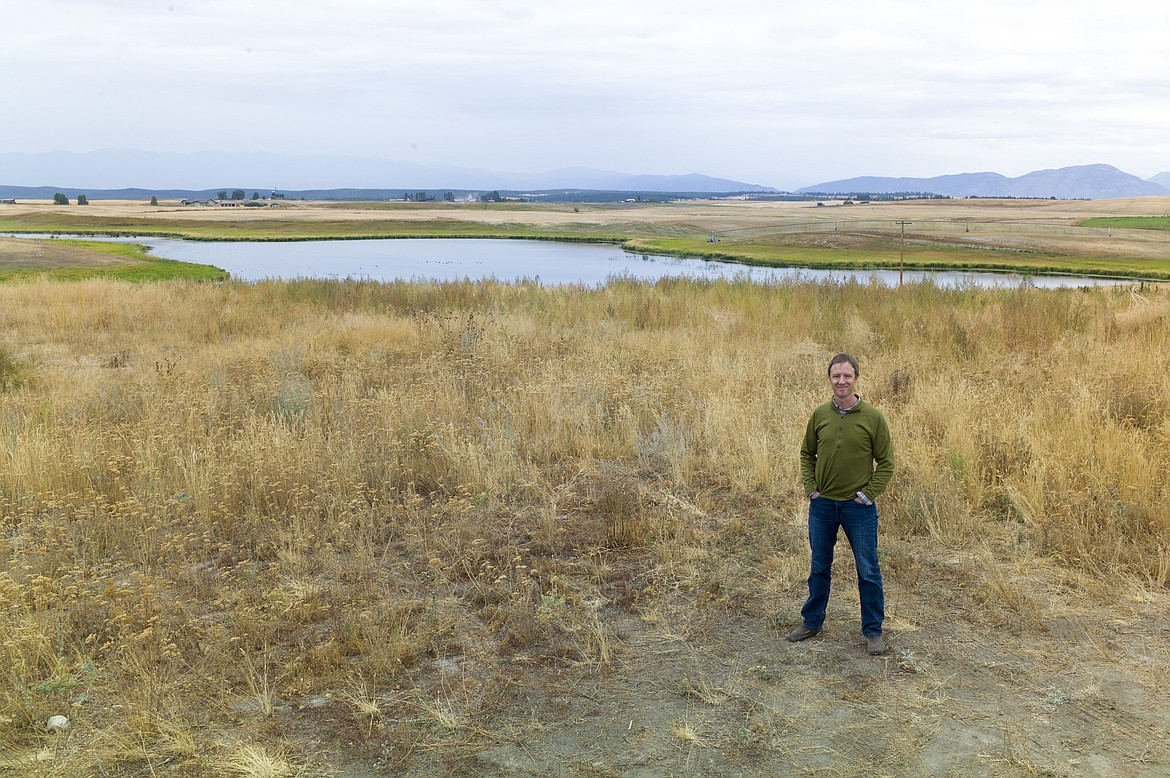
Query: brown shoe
point(875, 645)
point(801, 633)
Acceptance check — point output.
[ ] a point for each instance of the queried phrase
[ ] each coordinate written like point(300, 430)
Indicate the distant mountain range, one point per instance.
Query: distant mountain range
point(210, 171)
point(1082, 182)
point(133, 174)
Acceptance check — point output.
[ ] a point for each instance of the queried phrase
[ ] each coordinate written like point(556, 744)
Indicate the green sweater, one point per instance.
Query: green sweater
point(839, 451)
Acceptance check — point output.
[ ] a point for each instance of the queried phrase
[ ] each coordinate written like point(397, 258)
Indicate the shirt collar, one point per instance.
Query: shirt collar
point(856, 402)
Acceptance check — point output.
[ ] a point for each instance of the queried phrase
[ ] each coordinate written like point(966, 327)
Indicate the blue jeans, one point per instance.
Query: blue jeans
point(860, 523)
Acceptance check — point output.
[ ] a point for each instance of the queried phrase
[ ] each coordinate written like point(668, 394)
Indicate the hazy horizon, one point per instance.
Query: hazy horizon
point(113, 169)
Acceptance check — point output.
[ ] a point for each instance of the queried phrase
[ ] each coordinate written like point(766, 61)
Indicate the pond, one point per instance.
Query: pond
point(549, 263)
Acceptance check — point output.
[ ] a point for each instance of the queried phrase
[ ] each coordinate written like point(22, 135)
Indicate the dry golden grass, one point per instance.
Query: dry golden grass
point(375, 513)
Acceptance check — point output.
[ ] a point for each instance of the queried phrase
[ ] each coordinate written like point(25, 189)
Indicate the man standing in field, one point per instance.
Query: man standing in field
point(845, 438)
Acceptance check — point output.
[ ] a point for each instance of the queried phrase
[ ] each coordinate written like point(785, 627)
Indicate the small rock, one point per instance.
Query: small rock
point(57, 724)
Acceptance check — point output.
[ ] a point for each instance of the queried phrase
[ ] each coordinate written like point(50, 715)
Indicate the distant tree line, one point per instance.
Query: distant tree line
point(424, 197)
point(876, 196)
point(1022, 197)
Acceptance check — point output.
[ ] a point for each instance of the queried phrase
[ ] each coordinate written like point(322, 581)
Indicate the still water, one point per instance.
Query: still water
point(549, 263)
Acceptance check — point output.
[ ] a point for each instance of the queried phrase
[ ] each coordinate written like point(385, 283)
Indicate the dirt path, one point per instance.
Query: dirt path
point(942, 702)
point(971, 686)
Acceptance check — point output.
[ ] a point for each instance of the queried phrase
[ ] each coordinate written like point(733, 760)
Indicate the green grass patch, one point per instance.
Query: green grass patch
point(151, 269)
point(772, 251)
point(12, 369)
point(1130, 222)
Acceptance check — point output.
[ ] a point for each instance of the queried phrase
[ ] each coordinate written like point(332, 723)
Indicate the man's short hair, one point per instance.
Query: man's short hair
point(841, 359)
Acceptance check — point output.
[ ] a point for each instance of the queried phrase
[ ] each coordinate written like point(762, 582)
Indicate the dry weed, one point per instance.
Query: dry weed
point(249, 761)
point(687, 734)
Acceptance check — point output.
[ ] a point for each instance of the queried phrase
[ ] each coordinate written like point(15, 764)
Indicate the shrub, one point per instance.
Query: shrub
point(12, 369)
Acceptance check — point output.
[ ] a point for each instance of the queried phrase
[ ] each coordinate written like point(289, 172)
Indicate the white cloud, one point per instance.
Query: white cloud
point(772, 92)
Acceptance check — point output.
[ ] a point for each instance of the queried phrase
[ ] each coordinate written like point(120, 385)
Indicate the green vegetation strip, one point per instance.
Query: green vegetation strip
point(138, 266)
point(1130, 222)
point(766, 252)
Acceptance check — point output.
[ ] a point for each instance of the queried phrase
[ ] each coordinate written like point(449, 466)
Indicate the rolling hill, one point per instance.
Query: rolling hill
point(1082, 182)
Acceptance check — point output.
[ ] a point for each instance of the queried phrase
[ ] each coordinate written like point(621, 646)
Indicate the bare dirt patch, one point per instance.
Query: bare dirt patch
point(30, 254)
point(969, 687)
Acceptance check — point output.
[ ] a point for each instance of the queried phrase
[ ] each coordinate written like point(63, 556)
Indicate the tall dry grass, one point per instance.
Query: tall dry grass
point(221, 501)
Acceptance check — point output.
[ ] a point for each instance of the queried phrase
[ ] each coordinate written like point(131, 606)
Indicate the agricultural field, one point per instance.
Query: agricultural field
point(345, 528)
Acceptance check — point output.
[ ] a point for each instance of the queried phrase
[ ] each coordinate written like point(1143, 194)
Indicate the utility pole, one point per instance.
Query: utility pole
point(902, 251)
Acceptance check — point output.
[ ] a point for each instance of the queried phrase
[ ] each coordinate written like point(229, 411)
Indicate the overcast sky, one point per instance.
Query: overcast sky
point(780, 93)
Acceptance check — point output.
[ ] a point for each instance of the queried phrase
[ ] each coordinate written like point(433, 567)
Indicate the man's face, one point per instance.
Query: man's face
point(842, 379)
